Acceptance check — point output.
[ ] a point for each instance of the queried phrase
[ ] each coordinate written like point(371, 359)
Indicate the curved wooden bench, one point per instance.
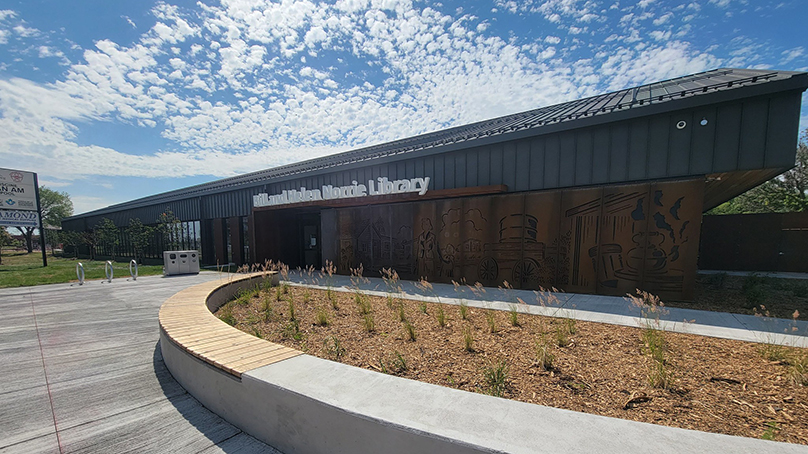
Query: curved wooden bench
point(187, 320)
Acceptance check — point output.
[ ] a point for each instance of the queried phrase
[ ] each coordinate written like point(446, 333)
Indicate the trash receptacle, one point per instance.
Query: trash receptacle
point(180, 262)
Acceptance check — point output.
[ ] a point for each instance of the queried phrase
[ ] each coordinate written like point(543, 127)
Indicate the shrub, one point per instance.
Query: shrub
point(409, 331)
point(292, 315)
point(544, 354)
point(321, 317)
point(399, 363)
point(513, 315)
point(363, 302)
point(402, 316)
point(226, 315)
point(266, 307)
point(468, 340)
point(799, 369)
point(333, 348)
point(422, 307)
point(464, 310)
point(490, 319)
point(368, 323)
point(441, 316)
point(495, 378)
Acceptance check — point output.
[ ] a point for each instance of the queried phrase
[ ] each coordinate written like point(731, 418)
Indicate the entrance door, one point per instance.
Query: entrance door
point(310, 229)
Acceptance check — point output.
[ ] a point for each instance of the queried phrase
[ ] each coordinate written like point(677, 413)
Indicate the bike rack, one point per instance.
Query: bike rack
point(131, 273)
point(80, 273)
point(108, 272)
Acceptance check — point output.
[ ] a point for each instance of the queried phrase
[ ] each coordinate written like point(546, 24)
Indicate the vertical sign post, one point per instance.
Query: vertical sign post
point(41, 223)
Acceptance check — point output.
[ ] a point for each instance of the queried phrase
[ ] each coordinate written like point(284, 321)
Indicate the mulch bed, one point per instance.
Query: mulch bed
point(719, 385)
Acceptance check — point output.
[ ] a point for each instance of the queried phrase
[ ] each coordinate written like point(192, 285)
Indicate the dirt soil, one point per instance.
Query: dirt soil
point(721, 386)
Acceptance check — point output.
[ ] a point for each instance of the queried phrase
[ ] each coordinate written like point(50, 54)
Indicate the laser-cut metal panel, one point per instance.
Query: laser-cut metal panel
point(448, 222)
point(542, 216)
point(477, 231)
point(362, 231)
point(347, 241)
point(425, 231)
point(624, 222)
point(403, 240)
point(493, 237)
point(578, 240)
point(672, 239)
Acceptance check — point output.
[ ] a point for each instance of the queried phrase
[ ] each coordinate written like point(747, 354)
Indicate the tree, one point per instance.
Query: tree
point(72, 239)
point(5, 240)
point(106, 234)
point(785, 193)
point(169, 226)
point(140, 235)
point(55, 206)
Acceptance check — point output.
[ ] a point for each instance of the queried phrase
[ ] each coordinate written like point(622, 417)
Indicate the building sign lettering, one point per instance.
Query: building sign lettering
point(17, 191)
point(15, 218)
point(380, 186)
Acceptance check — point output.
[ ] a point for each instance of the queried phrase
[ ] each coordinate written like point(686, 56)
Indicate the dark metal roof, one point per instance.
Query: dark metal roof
point(568, 115)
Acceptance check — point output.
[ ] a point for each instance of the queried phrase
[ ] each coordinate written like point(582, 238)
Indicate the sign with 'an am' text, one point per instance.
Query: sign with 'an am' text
point(17, 190)
point(378, 187)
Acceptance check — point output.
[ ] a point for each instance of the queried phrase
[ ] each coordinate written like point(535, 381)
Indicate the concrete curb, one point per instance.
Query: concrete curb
point(311, 405)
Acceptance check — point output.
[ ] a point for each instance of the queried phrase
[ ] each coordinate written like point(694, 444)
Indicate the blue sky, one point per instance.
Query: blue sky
point(115, 100)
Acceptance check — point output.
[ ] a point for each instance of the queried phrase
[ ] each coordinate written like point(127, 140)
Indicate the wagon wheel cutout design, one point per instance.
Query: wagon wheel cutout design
point(488, 269)
point(526, 271)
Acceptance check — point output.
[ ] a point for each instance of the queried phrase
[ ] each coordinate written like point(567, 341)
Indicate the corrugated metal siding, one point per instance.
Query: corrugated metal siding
point(741, 135)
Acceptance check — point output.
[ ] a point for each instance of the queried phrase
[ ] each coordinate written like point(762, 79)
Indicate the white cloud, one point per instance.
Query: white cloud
point(249, 84)
point(791, 54)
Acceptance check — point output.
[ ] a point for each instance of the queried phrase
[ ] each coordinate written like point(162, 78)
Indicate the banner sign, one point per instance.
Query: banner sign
point(383, 186)
point(17, 190)
point(15, 218)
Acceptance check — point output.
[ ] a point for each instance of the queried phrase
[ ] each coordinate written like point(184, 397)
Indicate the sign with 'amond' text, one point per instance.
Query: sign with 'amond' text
point(15, 218)
point(17, 190)
point(380, 186)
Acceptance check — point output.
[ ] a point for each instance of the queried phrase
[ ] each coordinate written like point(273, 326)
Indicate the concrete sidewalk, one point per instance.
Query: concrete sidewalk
point(595, 308)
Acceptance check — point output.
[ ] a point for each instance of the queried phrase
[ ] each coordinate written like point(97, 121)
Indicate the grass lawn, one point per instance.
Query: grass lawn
point(20, 269)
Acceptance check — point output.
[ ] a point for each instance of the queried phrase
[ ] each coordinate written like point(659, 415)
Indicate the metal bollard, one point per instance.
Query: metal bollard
point(131, 272)
point(80, 273)
point(108, 271)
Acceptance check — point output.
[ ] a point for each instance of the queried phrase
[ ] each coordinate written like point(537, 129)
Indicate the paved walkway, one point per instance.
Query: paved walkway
point(81, 371)
point(597, 308)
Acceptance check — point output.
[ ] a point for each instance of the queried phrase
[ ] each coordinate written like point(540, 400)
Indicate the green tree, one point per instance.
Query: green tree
point(169, 227)
point(55, 206)
point(140, 235)
point(74, 239)
point(5, 240)
point(785, 193)
point(106, 234)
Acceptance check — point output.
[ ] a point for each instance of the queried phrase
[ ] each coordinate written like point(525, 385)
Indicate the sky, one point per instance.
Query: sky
point(116, 100)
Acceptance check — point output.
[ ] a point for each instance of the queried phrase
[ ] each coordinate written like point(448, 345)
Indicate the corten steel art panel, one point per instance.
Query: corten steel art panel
point(347, 242)
point(672, 241)
point(426, 241)
point(448, 222)
point(478, 236)
point(624, 223)
point(578, 234)
point(608, 240)
point(542, 211)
